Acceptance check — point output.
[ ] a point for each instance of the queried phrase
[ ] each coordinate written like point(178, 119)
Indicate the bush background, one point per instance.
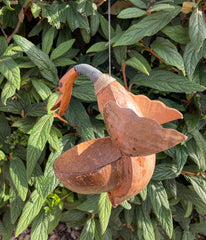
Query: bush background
point(161, 47)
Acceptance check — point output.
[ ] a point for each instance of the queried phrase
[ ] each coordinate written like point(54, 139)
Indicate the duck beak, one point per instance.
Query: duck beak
point(65, 89)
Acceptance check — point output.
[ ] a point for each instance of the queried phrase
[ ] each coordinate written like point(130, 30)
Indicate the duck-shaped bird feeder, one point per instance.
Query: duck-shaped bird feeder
point(123, 163)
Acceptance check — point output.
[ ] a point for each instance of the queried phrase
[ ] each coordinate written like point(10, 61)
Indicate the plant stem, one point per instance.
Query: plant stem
point(124, 75)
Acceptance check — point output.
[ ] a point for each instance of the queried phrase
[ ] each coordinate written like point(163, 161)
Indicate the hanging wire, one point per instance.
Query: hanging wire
point(109, 34)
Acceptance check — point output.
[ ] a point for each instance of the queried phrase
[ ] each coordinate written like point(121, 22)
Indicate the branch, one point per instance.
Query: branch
point(124, 75)
point(3, 31)
point(148, 49)
point(21, 19)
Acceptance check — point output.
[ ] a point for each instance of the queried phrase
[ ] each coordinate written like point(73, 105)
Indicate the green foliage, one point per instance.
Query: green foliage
point(163, 49)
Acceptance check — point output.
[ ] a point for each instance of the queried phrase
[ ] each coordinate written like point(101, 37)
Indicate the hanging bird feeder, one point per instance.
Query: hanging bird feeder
point(123, 163)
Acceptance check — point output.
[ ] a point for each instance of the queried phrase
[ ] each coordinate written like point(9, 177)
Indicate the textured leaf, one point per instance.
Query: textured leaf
point(143, 193)
point(164, 171)
point(138, 3)
point(16, 205)
point(8, 91)
point(40, 227)
point(192, 121)
point(199, 185)
point(18, 176)
point(148, 26)
point(55, 13)
point(198, 228)
point(51, 101)
point(7, 226)
point(85, 7)
point(144, 223)
point(90, 205)
point(166, 81)
point(37, 141)
point(88, 230)
point(159, 7)
point(75, 19)
point(120, 53)
point(181, 157)
point(53, 138)
point(177, 33)
point(76, 115)
point(160, 204)
point(85, 92)
point(105, 207)
point(131, 13)
point(61, 49)
point(197, 28)
point(10, 70)
point(191, 58)
point(30, 211)
point(197, 149)
point(104, 26)
point(168, 51)
point(35, 9)
point(47, 40)
point(97, 47)
point(94, 23)
point(42, 89)
point(137, 64)
point(39, 58)
point(3, 45)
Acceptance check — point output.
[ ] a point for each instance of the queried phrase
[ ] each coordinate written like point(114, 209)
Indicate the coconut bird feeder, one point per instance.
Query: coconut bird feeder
point(121, 164)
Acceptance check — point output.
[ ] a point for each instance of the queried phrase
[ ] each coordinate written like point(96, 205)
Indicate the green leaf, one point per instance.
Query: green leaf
point(51, 101)
point(126, 205)
point(97, 47)
point(94, 23)
point(5, 131)
point(16, 205)
point(73, 217)
point(76, 115)
point(138, 3)
point(192, 121)
point(85, 35)
point(135, 63)
point(164, 171)
point(120, 53)
point(104, 26)
point(53, 138)
point(10, 70)
point(61, 49)
point(160, 204)
point(88, 230)
point(177, 33)
point(168, 51)
point(7, 226)
point(85, 7)
point(191, 58)
point(143, 193)
point(12, 106)
point(197, 28)
point(54, 218)
point(90, 205)
point(132, 12)
point(166, 81)
point(75, 19)
point(181, 156)
point(198, 228)
point(159, 7)
point(41, 88)
point(8, 91)
point(3, 45)
point(148, 26)
point(18, 176)
point(37, 141)
point(85, 92)
point(105, 207)
point(144, 223)
point(39, 58)
point(199, 185)
point(55, 13)
point(35, 9)
point(188, 236)
point(128, 215)
point(63, 62)
point(40, 227)
point(30, 211)
point(47, 40)
point(197, 150)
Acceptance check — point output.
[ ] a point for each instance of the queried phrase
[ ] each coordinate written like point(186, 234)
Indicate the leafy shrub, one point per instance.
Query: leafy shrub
point(162, 48)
